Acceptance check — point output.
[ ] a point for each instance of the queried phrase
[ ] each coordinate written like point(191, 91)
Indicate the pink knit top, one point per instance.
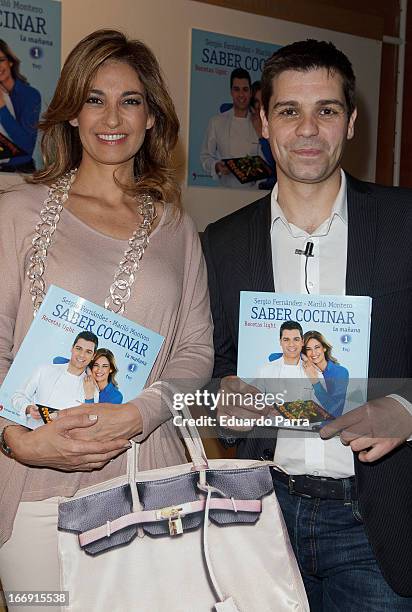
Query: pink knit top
point(169, 296)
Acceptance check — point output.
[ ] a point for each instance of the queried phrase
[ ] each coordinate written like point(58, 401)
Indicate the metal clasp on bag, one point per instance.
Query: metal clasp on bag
point(173, 514)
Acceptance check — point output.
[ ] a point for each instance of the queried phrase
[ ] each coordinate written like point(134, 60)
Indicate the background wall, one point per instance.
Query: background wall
point(165, 26)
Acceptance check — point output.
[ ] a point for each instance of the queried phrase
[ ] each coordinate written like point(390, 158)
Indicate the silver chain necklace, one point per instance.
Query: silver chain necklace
point(120, 289)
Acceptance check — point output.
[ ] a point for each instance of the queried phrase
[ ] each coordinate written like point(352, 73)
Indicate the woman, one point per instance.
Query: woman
point(103, 375)
point(317, 357)
point(111, 118)
point(19, 111)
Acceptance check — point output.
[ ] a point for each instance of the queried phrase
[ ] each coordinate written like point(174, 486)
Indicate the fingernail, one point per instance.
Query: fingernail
point(128, 445)
point(53, 415)
point(92, 417)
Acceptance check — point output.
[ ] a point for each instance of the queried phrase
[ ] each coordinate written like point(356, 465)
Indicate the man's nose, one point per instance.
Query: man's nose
point(307, 126)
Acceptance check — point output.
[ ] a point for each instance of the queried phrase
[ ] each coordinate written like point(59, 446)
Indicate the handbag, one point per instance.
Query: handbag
point(206, 536)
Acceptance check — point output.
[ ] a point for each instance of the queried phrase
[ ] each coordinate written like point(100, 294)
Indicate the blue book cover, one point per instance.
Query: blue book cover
point(308, 353)
point(76, 352)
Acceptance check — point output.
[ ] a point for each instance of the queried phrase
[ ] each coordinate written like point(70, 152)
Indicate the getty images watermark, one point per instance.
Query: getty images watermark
point(211, 400)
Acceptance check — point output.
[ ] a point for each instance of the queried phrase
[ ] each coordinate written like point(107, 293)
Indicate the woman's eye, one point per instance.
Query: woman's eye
point(133, 101)
point(94, 100)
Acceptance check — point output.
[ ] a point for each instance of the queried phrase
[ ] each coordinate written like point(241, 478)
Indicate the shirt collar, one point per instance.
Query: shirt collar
point(339, 208)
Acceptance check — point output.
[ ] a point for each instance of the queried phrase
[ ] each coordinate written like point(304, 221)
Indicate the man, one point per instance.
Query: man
point(58, 385)
point(288, 366)
point(231, 134)
point(340, 525)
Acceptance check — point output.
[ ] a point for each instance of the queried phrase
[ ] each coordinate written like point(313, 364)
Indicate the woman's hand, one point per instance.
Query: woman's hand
point(115, 421)
point(89, 387)
point(311, 370)
point(52, 446)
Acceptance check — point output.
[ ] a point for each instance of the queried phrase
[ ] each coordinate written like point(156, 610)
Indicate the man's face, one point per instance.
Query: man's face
point(307, 124)
point(82, 354)
point(241, 94)
point(291, 343)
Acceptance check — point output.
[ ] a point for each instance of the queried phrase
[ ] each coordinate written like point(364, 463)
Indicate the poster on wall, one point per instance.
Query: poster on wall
point(30, 36)
point(226, 148)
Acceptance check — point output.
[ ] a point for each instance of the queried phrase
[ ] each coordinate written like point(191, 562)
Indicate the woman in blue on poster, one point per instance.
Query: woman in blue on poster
point(103, 375)
point(317, 357)
point(19, 111)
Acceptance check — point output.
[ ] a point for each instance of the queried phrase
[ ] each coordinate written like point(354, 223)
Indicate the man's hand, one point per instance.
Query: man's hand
point(115, 421)
point(52, 446)
point(235, 400)
point(221, 168)
point(374, 429)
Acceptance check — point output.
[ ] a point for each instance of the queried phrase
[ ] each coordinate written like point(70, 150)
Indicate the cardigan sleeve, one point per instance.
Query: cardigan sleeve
point(190, 364)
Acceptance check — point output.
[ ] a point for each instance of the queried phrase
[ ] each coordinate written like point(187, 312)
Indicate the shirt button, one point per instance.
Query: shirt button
point(315, 473)
point(310, 284)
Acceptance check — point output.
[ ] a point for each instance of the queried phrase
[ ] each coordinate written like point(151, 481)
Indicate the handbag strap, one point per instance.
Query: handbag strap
point(190, 437)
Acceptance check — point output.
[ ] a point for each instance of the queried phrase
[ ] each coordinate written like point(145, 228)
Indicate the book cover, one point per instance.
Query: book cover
point(318, 369)
point(8, 149)
point(249, 168)
point(76, 352)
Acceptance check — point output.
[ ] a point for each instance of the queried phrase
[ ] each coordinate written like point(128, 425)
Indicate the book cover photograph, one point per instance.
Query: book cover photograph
point(76, 352)
point(307, 353)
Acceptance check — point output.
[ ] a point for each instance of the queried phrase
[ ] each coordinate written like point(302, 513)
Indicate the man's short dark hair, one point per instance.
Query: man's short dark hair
point(306, 55)
point(240, 73)
point(89, 336)
point(290, 325)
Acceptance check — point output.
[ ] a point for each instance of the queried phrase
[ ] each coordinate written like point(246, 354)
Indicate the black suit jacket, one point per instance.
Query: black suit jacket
point(379, 264)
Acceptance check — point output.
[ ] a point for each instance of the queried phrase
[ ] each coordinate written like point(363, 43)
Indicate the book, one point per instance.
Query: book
point(8, 149)
point(56, 368)
point(319, 369)
point(249, 168)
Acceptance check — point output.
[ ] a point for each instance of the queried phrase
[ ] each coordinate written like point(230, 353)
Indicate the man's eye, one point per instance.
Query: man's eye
point(94, 100)
point(328, 112)
point(288, 112)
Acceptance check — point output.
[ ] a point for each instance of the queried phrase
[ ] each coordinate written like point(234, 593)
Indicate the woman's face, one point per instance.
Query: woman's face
point(5, 69)
point(114, 119)
point(315, 351)
point(101, 370)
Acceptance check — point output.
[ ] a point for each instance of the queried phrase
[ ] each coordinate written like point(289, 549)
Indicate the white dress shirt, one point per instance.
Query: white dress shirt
point(303, 452)
point(296, 451)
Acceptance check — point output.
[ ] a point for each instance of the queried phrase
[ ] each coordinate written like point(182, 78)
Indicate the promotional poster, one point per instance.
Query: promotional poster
point(76, 352)
point(30, 35)
point(224, 116)
point(310, 351)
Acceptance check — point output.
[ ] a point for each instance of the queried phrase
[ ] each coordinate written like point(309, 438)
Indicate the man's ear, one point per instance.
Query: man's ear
point(74, 122)
point(351, 125)
point(265, 124)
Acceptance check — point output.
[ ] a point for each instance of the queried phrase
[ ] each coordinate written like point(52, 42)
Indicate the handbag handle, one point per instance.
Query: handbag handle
point(190, 436)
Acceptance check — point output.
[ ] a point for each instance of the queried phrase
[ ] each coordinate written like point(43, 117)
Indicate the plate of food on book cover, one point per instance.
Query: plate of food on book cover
point(249, 168)
point(304, 409)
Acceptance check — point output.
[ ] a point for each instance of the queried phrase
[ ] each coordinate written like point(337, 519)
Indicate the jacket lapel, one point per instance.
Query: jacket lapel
point(260, 250)
point(362, 225)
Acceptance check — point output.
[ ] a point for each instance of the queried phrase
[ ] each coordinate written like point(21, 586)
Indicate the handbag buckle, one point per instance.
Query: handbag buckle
point(173, 514)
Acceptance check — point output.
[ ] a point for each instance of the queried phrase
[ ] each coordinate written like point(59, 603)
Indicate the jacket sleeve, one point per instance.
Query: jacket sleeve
point(23, 131)
point(209, 154)
point(225, 350)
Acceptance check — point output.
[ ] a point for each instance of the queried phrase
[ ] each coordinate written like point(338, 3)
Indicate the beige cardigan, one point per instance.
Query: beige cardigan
point(170, 296)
